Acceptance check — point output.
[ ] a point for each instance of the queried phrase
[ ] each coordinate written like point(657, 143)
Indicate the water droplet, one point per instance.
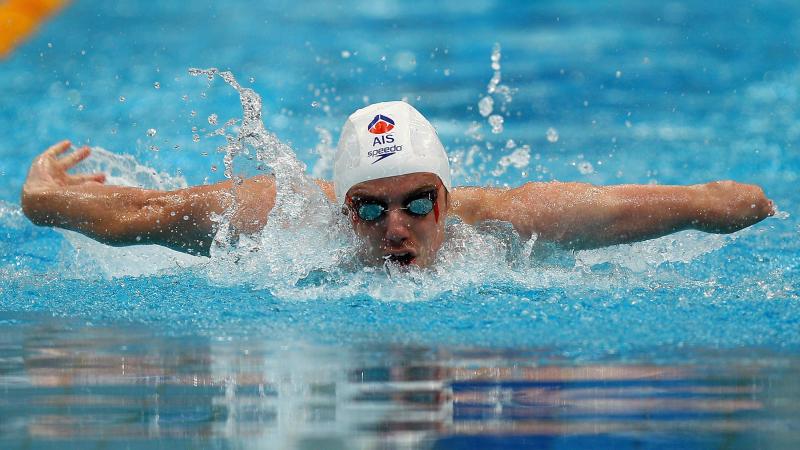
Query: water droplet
point(122, 99)
point(496, 56)
point(138, 238)
point(552, 135)
point(252, 79)
point(213, 167)
point(405, 61)
point(192, 113)
point(196, 138)
point(151, 132)
point(154, 148)
point(315, 104)
point(80, 107)
point(212, 119)
point(346, 54)
point(172, 213)
point(184, 97)
point(185, 217)
point(485, 106)
point(585, 168)
point(496, 121)
point(157, 85)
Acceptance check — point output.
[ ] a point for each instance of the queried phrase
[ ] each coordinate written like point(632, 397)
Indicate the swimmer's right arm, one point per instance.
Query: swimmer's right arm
point(120, 216)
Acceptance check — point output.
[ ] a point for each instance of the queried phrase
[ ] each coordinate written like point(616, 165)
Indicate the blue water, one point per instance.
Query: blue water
point(690, 341)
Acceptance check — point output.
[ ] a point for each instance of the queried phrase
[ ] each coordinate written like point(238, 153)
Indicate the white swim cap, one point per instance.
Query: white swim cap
point(386, 140)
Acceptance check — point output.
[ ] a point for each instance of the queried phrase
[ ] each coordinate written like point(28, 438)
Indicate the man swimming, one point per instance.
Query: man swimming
point(392, 178)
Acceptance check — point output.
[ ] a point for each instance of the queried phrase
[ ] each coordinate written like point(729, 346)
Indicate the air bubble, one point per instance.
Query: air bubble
point(157, 85)
point(212, 119)
point(195, 138)
point(346, 54)
point(151, 132)
point(213, 167)
point(122, 99)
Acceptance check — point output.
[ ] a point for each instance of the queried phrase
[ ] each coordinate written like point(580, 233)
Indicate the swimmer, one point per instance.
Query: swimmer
point(392, 179)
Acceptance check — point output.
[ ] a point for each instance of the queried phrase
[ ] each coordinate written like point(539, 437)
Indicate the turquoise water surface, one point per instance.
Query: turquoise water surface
point(688, 341)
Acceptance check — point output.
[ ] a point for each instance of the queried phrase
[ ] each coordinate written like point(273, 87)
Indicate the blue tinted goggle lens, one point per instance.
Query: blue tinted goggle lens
point(370, 211)
point(420, 206)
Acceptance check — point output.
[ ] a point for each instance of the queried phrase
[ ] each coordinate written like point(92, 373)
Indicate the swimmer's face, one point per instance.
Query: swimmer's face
point(398, 235)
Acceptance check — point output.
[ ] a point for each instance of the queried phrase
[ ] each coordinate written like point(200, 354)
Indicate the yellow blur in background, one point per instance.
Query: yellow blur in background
point(20, 18)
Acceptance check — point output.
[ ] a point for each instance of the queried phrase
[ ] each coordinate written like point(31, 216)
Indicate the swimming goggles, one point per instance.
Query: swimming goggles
point(418, 205)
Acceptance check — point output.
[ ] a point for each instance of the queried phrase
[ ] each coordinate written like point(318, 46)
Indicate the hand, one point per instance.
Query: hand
point(48, 171)
point(727, 206)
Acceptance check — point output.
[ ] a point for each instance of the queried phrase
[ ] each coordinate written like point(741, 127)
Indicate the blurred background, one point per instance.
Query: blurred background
point(690, 341)
point(613, 92)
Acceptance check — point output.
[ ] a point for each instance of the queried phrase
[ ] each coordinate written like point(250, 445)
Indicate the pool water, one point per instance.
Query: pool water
point(688, 341)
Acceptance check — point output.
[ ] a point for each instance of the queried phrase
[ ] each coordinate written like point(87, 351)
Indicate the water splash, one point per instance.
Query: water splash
point(304, 233)
point(306, 249)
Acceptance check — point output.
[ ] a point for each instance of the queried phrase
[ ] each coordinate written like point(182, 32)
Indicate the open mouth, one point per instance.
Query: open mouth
point(401, 258)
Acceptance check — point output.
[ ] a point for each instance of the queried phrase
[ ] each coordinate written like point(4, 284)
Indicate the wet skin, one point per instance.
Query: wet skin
point(398, 236)
point(572, 215)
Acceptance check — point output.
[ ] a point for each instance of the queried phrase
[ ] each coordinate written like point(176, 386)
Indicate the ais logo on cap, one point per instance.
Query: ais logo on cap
point(380, 124)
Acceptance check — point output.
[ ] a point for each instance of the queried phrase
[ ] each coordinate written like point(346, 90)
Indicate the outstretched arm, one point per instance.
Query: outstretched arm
point(116, 215)
point(579, 215)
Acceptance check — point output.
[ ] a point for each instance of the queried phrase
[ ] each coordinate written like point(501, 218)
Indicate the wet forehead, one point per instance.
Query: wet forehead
point(395, 187)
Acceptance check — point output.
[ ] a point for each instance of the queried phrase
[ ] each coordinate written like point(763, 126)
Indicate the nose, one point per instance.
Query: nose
point(397, 227)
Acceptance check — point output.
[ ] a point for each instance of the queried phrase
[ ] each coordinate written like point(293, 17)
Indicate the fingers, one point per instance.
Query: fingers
point(87, 178)
point(74, 157)
point(58, 148)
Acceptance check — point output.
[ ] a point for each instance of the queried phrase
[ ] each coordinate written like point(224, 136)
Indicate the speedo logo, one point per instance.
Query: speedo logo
point(384, 152)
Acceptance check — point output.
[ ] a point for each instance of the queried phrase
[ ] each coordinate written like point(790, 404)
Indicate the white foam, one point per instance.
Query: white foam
point(306, 250)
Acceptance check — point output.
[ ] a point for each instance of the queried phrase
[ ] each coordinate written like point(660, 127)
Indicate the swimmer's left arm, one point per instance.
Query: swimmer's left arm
point(579, 215)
